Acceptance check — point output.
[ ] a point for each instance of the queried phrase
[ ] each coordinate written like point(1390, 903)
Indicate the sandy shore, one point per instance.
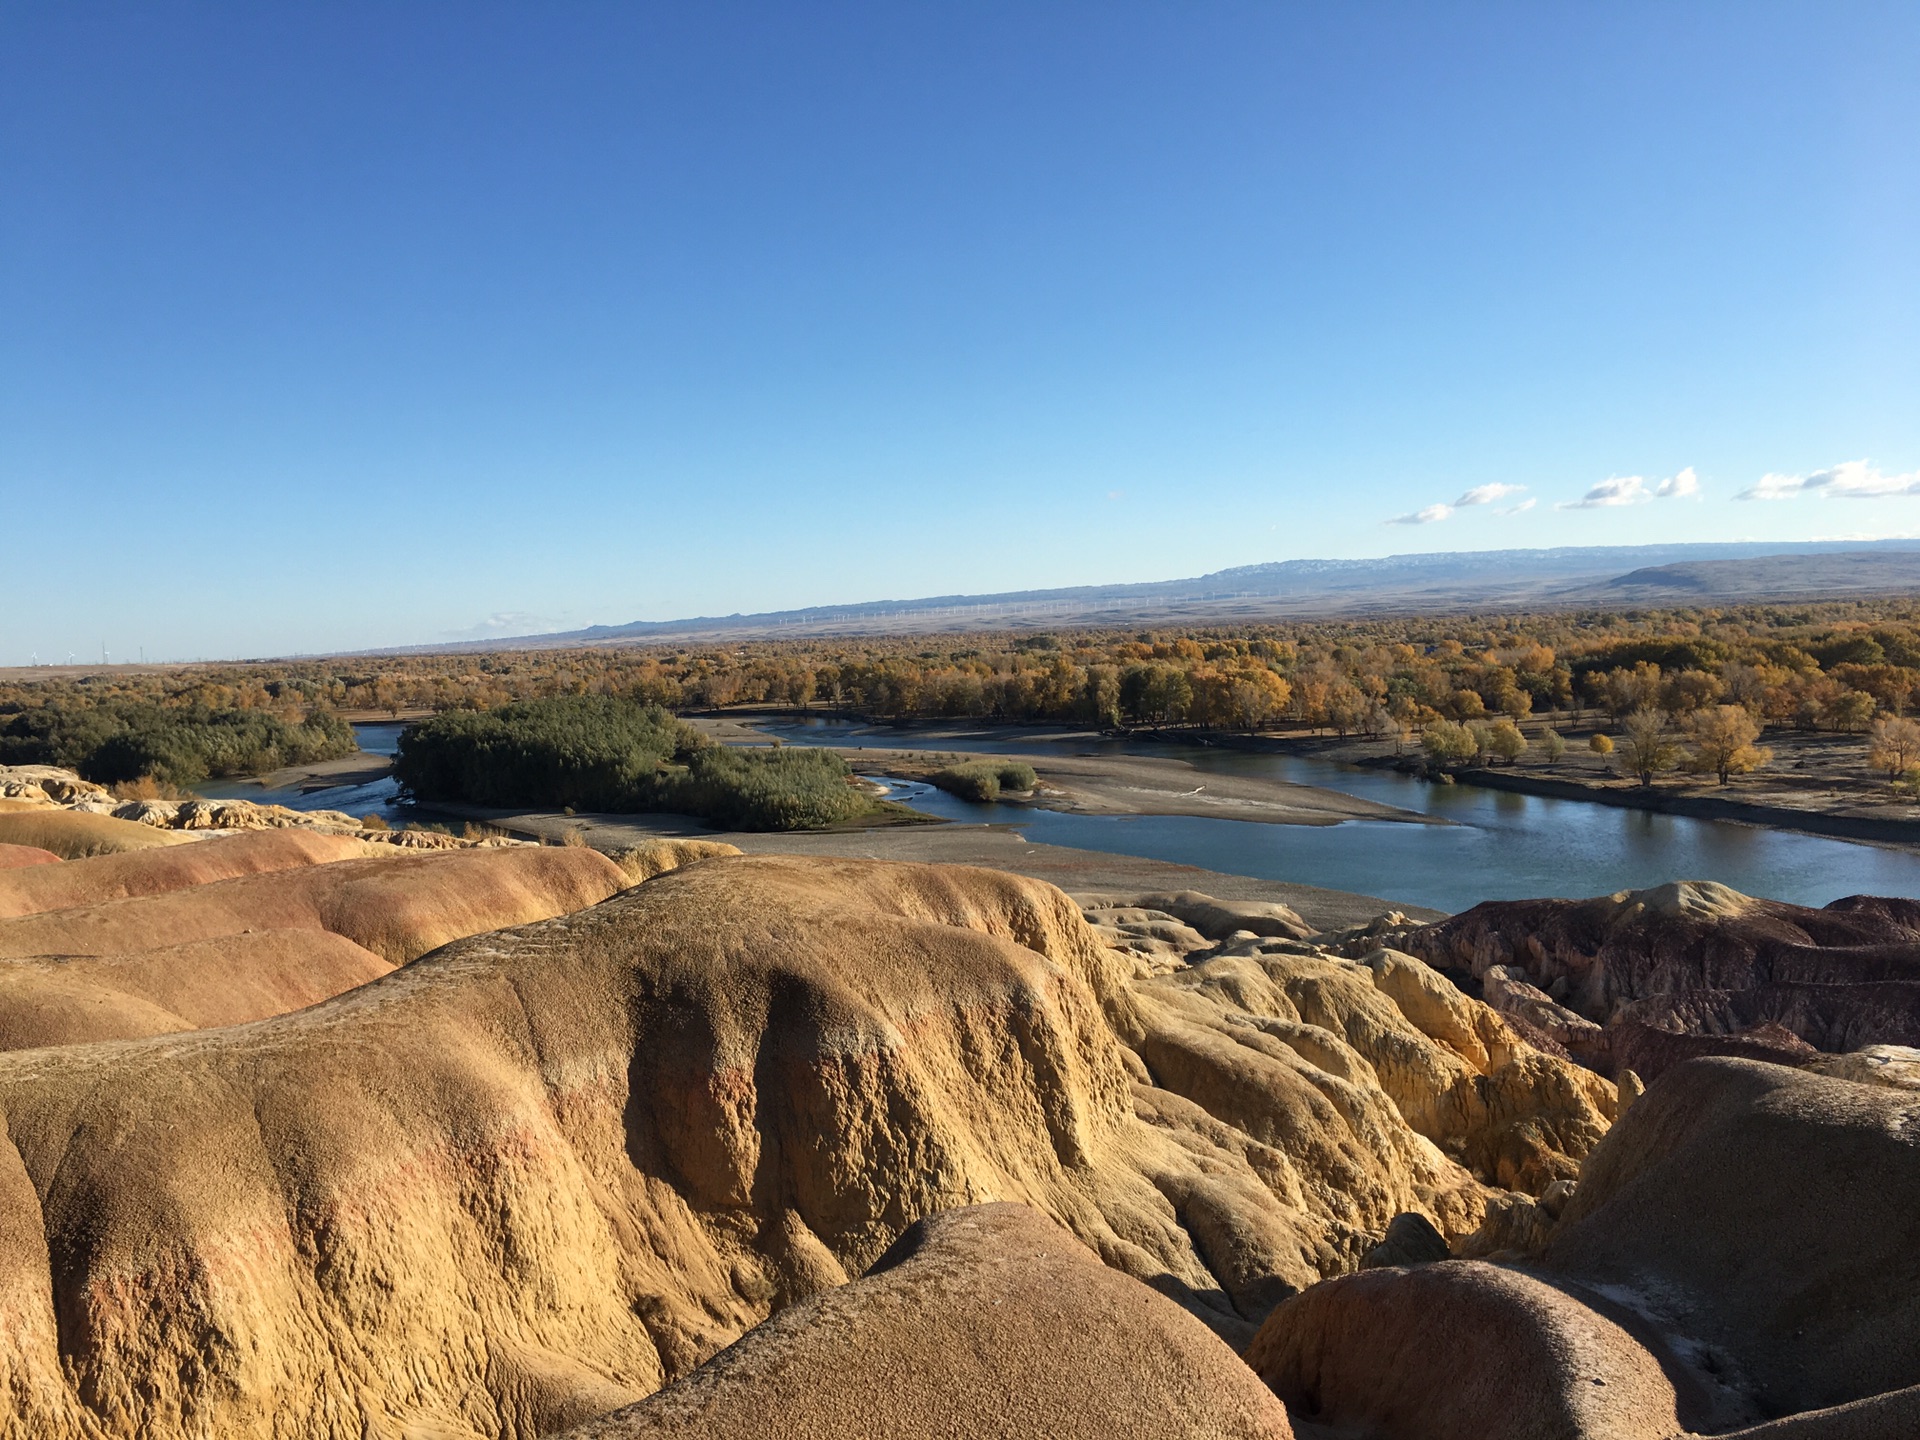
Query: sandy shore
point(357, 769)
point(995, 847)
point(1146, 785)
point(1097, 783)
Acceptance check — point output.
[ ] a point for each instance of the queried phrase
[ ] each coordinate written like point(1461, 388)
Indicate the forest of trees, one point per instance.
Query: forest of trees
point(610, 754)
point(1842, 667)
point(179, 745)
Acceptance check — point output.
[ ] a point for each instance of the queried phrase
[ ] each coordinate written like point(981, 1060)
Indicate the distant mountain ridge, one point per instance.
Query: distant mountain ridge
point(1296, 589)
point(1838, 573)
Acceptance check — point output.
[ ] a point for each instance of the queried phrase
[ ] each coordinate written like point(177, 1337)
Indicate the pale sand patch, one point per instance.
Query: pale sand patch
point(1149, 785)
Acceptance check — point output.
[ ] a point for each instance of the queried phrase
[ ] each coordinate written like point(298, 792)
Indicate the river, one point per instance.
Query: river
point(376, 797)
point(1498, 846)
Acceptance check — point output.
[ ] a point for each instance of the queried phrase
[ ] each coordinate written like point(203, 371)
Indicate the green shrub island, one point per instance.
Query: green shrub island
point(983, 780)
point(177, 745)
point(611, 755)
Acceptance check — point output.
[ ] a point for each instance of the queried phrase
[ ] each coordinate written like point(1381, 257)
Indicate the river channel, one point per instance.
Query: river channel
point(1497, 846)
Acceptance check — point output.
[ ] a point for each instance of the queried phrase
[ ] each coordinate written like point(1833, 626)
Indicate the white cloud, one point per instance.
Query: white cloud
point(1423, 517)
point(1619, 490)
point(504, 622)
point(1632, 490)
point(1487, 494)
point(1850, 480)
point(1520, 509)
point(1685, 483)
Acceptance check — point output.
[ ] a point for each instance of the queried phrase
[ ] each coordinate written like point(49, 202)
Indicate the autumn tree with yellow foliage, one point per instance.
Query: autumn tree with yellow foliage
point(1722, 737)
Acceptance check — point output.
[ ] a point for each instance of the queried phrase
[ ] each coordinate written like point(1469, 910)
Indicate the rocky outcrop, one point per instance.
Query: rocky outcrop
point(1768, 1215)
point(98, 823)
point(1646, 979)
point(656, 857)
point(1741, 1250)
point(47, 785)
point(983, 1321)
point(540, 1173)
point(1461, 1350)
point(1895, 1066)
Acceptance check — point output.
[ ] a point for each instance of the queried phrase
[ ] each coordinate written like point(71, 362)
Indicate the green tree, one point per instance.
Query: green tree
point(1447, 743)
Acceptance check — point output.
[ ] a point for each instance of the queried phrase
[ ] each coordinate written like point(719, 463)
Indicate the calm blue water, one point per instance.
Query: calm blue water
point(1498, 845)
point(380, 797)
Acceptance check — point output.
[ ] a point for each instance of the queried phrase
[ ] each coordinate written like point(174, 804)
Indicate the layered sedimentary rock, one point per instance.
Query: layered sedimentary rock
point(1646, 979)
point(233, 930)
point(228, 980)
point(986, 1321)
point(398, 907)
point(540, 1173)
point(76, 834)
point(179, 867)
point(16, 857)
point(1741, 1249)
point(656, 857)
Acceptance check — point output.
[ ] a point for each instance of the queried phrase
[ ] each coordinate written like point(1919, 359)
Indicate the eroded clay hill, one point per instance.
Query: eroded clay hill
point(1741, 1257)
point(227, 930)
point(984, 1321)
point(540, 1173)
point(33, 890)
point(1646, 979)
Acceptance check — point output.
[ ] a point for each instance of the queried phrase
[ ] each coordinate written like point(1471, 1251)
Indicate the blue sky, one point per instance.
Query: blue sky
point(339, 325)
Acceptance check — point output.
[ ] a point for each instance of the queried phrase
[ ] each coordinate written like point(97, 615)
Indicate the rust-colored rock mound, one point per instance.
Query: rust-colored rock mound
point(177, 867)
point(1460, 1350)
point(1748, 1231)
point(76, 834)
point(15, 857)
point(538, 1174)
point(1692, 960)
point(399, 907)
point(984, 1323)
point(223, 981)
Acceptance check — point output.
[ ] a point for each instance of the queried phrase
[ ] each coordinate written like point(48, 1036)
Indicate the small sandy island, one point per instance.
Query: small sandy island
point(357, 769)
point(1112, 783)
point(1148, 785)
